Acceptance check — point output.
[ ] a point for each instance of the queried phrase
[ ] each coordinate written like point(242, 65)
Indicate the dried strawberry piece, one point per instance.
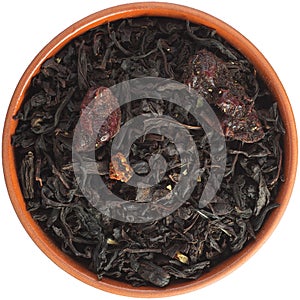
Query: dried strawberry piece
point(202, 74)
point(240, 120)
point(212, 78)
point(119, 169)
point(246, 128)
point(96, 121)
point(230, 104)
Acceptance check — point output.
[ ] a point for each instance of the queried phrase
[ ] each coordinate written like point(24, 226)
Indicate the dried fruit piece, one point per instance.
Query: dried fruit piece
point(98, 124)
point(110, 241)
point(212, 78)
point(241, 120)
point(247, 128)
point(182, 258)
point(230, 104)
point(119, 169)
point(202, 73)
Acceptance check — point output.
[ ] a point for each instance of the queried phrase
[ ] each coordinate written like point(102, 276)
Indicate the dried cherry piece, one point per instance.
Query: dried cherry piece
point(212, 78)
point(95, 118)
point(246, 128)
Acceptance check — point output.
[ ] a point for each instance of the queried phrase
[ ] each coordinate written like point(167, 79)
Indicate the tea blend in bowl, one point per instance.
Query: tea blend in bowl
point(193, 238)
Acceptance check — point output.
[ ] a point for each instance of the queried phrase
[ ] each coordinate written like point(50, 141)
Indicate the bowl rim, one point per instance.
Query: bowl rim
point(138, 10)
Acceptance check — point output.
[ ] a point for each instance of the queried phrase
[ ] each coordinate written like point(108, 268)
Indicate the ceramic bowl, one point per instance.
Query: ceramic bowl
point(130, 11)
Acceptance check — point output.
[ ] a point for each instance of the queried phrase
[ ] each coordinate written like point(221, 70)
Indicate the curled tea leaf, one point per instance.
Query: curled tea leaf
point(153, 273)
point(27, 175)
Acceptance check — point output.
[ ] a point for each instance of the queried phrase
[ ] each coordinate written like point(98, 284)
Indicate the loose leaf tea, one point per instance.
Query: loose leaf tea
point(193, 239)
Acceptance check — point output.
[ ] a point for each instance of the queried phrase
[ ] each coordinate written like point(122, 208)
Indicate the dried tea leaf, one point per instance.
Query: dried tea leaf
point(263, 196)
point(153, 273)
point(27, 175)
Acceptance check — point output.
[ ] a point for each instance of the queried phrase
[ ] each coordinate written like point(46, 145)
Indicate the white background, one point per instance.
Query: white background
point(26, 27)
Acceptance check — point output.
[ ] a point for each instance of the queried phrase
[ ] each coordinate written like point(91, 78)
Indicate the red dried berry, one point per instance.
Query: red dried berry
point(202, 73)
point(246, 128)
point(210, 76)
point(100, 118)
point(230, 104)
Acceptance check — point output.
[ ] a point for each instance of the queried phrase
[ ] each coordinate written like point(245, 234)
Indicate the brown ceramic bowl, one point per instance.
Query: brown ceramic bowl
point(240, 43)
